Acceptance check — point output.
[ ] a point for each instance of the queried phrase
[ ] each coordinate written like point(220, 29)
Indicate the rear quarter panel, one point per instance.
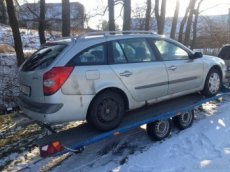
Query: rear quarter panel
point(101, 77)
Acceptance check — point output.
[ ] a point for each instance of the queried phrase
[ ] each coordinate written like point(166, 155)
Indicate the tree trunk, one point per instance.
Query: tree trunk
point(16, 33)
point(157, 15)
point(162, 21)
point(127, 15)
point(189, 22)
point(65, 18)
point(111, 15)
point(175, 19)
point(160, 17)
point(41, 27)
point(195, 25)
point(148, 14)
point(3, 18)
point(181, 31)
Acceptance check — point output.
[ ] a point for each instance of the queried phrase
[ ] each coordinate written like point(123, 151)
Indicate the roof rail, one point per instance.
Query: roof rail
point(110, 33)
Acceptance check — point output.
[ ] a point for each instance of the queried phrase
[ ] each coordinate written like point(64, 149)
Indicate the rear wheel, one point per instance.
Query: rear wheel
point(212, 83)
point(159, 130)
point(184, 120)
point(106, 111)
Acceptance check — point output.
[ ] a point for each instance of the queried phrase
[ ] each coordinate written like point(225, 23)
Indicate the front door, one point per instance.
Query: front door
point(184, 74)
point(138, 69)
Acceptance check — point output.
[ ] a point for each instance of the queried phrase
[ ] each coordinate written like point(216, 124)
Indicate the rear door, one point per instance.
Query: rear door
point(184, 74)
point(138, 68)
point(31, 72)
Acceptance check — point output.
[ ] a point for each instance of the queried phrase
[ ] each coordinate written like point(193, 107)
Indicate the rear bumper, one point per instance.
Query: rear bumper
point(74, 107)
point(44, 108)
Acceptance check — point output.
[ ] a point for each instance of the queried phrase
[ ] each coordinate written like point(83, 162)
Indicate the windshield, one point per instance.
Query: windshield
point(43, 57)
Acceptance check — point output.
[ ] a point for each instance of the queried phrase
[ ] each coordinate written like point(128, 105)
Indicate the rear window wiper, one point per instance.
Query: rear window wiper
point(29, 65)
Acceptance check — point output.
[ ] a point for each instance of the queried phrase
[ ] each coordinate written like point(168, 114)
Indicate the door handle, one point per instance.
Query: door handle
point(172, 68)
point(126, 73)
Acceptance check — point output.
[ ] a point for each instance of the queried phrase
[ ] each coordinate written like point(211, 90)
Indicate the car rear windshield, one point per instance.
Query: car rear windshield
point(43, 57)
point(225, 53)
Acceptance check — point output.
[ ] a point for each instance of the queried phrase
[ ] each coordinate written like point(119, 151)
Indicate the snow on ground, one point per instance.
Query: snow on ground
point(8, 81)
point(30, 38)
point(203, 147)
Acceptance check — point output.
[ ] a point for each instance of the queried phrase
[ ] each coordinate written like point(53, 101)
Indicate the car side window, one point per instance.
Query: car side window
point(170, 51)
point(137, 50)
point(118, 55)
point(91, 56)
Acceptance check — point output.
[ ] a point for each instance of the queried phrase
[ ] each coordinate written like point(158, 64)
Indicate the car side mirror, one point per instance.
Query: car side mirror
point(196, 55)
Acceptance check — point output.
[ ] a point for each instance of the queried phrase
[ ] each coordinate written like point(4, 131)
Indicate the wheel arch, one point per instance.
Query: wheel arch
point(217, 67)
point(113, 89)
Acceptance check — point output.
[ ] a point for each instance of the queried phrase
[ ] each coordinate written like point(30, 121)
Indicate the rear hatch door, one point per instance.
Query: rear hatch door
point(32, 70)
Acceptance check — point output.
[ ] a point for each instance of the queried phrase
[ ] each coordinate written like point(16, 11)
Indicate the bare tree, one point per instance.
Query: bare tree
point(127, 15)
point(65, 18)
point(3, 18)
point(189, 22)
point(139, 17)
point(212, 35)
point(42, 23)
point(148, 14)
point(111, 15)
point(175, 19)
point(160, 15)
point(15, 29)
point(195, 24)
point(182, 24)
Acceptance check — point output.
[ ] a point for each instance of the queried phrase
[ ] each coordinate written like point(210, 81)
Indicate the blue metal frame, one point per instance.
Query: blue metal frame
point(81, 145)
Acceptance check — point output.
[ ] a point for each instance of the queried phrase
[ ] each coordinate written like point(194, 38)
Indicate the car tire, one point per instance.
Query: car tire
point(212, 83)
point(106, 111)
point(159, 130)
point(184, 120)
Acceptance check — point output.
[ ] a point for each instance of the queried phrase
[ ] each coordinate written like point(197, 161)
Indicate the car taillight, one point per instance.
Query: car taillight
point(54, 79)
point(50, 149)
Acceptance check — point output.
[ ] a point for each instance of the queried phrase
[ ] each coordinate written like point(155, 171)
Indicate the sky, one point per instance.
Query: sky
point(209, 7)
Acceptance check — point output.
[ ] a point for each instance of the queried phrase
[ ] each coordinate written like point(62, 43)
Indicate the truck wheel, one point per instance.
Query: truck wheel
point(159, 130)
point(106, 111)
point(212, 83)
point(184, 120)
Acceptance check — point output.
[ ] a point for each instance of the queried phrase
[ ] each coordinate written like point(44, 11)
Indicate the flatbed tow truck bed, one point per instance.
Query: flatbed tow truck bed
point(75, 139)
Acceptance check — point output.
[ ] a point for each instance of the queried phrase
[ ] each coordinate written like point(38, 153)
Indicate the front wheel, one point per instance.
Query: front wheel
point(106, 111)
point(212, 83)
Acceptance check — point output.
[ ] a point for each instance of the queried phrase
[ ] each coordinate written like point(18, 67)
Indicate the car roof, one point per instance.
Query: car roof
point(110, 35)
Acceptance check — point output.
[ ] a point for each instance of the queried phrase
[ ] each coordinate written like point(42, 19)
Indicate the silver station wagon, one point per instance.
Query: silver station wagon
point(99, 76)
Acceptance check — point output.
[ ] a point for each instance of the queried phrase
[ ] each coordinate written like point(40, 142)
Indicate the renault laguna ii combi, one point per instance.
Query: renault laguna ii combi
point(99, 76)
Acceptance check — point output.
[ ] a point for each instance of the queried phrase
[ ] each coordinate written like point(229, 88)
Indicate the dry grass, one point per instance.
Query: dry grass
point(5, 48)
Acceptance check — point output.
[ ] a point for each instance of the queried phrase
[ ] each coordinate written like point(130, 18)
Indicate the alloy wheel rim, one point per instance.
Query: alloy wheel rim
point(214, 83)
